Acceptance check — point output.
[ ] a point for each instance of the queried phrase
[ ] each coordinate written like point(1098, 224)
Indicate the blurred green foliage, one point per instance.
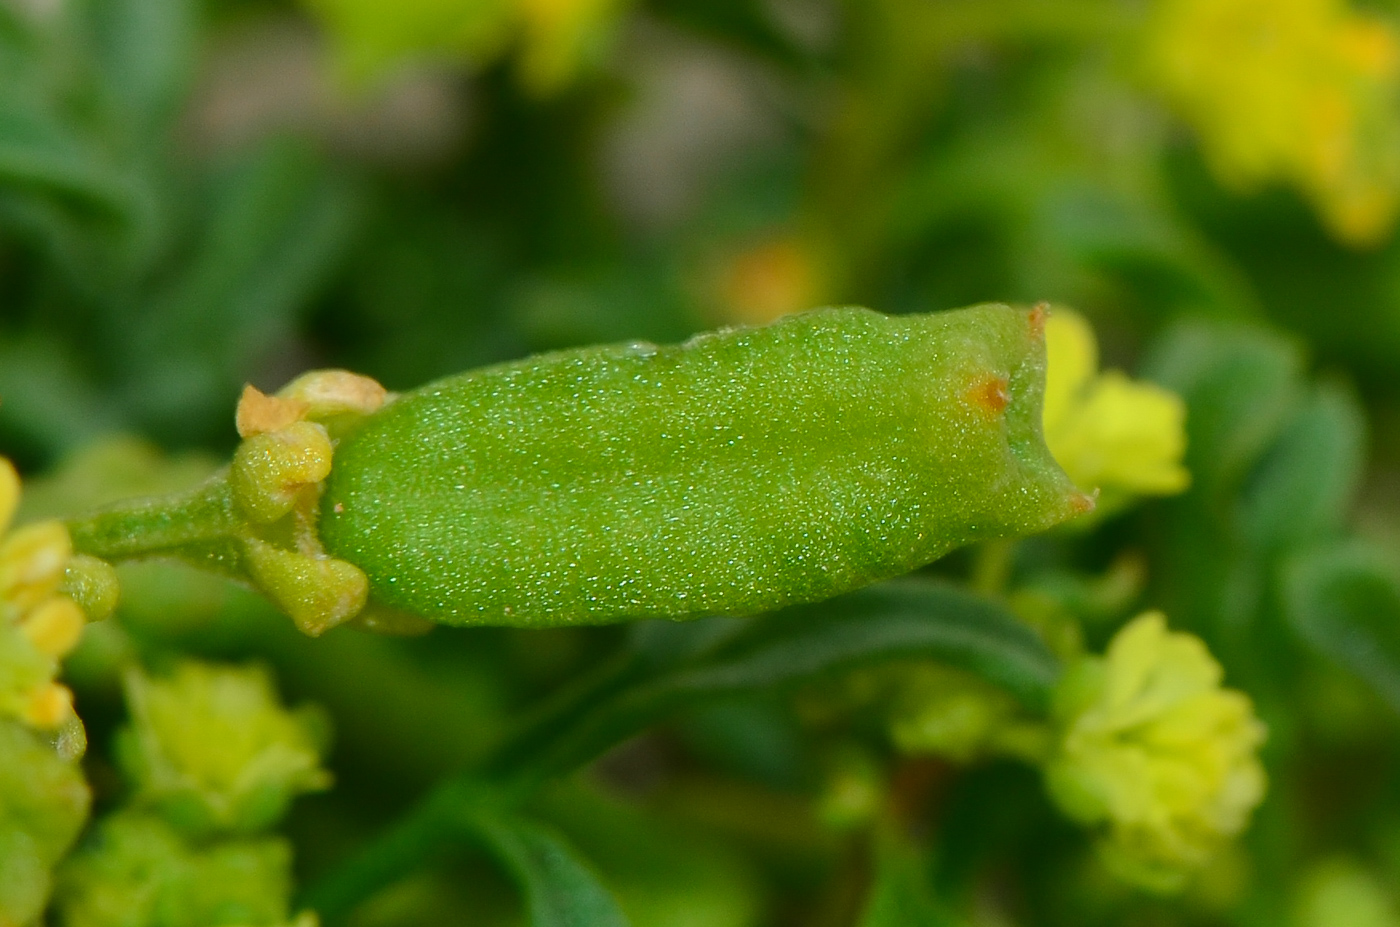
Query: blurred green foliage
point(198, 195)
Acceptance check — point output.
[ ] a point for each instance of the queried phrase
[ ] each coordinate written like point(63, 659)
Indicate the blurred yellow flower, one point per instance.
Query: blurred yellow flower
point(1302, 91)
point(955, 714)
point(768, 280)
point(1107, 431)
point(555, 37)
point(1157, 753)
point(372, 37)
point(560, 36)
point(214, 749)
point(38, 624)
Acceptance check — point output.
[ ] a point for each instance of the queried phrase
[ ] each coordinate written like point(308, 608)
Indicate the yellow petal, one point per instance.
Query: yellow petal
point(1124, 435)
point(9, 493)
point(1072, 356)
point(48, 706)
point(55, 626)
point(32, 563)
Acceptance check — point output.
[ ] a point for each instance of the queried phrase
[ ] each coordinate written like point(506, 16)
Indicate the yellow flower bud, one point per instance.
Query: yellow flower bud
point(317, 592)
point(48, 706)
point(1155, 752)
point(32, 563)
point(38, 626)
point(138, 870)
point(260, 414)
point(328, 393)
point(270, 470)
point(1109, 432)
point(93, 585)
point(55, 626)
point(9, 493)
point(957, 715)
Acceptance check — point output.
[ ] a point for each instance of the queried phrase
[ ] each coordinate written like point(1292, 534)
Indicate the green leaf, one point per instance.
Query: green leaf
point(146, 51)
point(559, 889)
point(1344, 600)
point(69, 184)
point(1240, 386)
point(50, 407)
point(655, 867)
point(805, 643)
point(50, 145)
point(40, 154)
point(278, 224)
point(1303, 487)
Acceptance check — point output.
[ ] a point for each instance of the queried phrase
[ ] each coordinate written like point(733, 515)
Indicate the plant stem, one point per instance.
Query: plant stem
point(991, 567)
point(160, 526)
point(393, 854)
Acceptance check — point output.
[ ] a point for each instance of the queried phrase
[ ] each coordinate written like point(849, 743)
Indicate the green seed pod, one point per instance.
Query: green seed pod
point(738, 472)
point(741, 471)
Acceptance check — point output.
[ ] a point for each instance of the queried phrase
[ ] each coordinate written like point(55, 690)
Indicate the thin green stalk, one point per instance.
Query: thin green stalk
point(991, 567)
point(394, 854)
point(161, 526)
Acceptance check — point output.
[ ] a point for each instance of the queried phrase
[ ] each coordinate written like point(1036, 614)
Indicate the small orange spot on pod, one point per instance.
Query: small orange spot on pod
point(1085, 502)
point(990, 394)
point(1038, 315)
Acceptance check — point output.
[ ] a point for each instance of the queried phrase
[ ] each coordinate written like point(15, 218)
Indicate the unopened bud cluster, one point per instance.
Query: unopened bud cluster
point(42, 585)
point(213, 760)
point(43, 796)
point(277, 476)
point(1156, 753)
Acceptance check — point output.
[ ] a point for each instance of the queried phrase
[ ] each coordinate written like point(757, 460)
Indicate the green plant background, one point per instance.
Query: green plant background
point(195, 196)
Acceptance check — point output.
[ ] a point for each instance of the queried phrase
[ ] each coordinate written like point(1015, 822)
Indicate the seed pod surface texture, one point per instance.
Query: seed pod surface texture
point(741, 471)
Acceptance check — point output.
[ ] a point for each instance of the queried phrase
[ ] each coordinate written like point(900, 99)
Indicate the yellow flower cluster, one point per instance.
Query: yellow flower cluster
point(44, 802)
point(137, 870)
point(955, 714)
point(1157, 753)
point(1108, 432)
point(1302, 91)
point(556, 37)
point(215, 750)
point(39, 624)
